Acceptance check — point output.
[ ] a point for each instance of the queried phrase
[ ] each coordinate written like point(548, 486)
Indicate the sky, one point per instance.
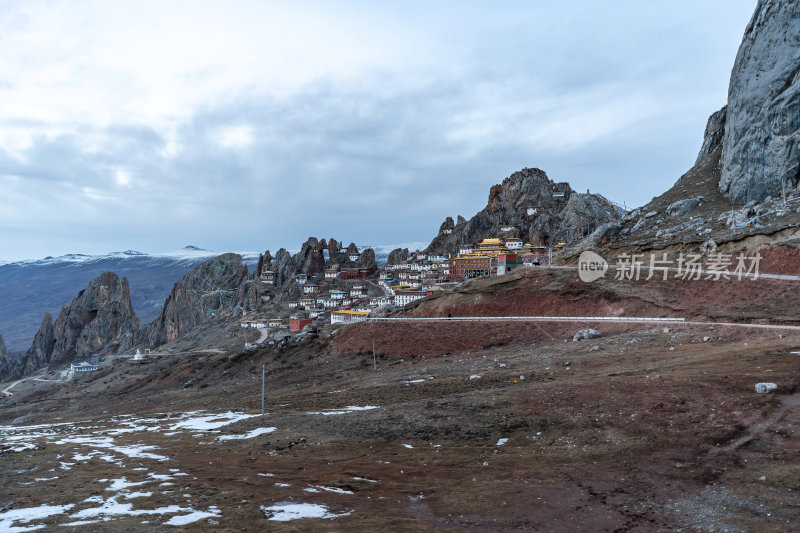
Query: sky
point(252, 125)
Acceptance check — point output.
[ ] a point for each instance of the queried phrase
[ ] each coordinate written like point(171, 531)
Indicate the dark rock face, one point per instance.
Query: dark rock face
point(367, 259)
point(761, 144)
point(447, 226)
point(41, 350)
point(94, 321)
point(210, 290)
point(10, 366)
point(398, 255)
point(529, 206)
point(99, 320)
point(712, 139)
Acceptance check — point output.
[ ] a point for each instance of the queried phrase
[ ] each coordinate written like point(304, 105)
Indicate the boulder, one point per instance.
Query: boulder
point(586, 334)
point(606, 231)
point(764, 388)
point(687, 205)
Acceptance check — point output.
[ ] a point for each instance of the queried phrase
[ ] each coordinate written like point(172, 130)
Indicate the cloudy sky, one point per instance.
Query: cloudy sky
point(247, 125)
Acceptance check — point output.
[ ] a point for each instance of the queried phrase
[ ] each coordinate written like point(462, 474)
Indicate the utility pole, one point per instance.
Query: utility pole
point(262, 388)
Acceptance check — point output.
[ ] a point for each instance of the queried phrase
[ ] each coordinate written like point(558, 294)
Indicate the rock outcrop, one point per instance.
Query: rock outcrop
point(398, 255)
point(712, 138)
point(530, 206)
point(761, 144)
point(41, 350)
point(210, 290)
point(94, 321)
point(99, 320)
point(367, 259)
point(11, 366)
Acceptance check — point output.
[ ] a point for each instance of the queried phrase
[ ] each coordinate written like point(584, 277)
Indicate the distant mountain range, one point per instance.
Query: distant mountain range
point(30, 288)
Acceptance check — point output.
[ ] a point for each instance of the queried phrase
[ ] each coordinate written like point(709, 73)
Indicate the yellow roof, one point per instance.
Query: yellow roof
point(347, 312)
point(489, 242)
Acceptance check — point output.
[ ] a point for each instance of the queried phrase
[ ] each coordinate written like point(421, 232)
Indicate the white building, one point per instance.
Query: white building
point(357, 291)
point(254, 323)
point(406, 297)
point(85, 366)
point(348, 317)
point(310, 288)
point(331, 273)
point(513, 244)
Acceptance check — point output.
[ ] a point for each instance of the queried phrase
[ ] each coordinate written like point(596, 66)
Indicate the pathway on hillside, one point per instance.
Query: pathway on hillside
point(677, 321)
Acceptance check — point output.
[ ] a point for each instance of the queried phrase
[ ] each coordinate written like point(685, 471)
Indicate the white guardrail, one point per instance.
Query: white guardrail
point(531, 319)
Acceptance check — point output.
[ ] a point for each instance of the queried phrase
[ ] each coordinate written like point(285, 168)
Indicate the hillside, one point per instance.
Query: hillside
point(530, 206)
point(29, 289)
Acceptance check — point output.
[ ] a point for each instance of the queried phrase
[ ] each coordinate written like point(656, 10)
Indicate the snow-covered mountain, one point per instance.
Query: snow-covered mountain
point(30, 288)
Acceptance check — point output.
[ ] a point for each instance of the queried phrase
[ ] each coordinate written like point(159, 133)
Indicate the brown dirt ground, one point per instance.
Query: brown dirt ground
point(644, 429)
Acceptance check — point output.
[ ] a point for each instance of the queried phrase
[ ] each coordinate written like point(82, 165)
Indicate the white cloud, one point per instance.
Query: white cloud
point(235, 137)
point(201, 113)
point(122, 177)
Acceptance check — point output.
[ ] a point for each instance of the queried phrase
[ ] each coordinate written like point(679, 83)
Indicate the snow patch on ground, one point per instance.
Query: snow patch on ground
point(255, 433)
point(284, 512)
point(29, 514)
point(344, 410)
point(193, 517)
point(209, 422)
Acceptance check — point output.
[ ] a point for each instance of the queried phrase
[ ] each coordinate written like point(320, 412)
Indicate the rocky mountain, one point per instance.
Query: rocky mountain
point(530, 206)
point(761, 144)
point(99, 319)
point(95, 320)
point(750, 153)
point(210, 290)
point(29, 289)
point(314, 256)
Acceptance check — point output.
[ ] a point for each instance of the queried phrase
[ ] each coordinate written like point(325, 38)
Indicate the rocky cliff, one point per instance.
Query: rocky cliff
point(41, 350)
point(211, 290)
point(750, 151)
point(530, 206)
point(95, 322)
point(10, 365)
point(314, 256)
point(761, 145)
